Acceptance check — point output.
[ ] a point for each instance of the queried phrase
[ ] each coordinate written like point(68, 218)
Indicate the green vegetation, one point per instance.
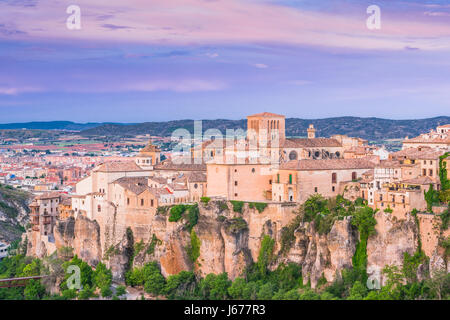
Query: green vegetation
point(162, 210)
point(431, 197)
point(149, 277)
point(193, 250)
point(222, 206)
point(205, 200)
point(287, 235)
point(265, 256)
point(443, 173)
point(235, 225)
point(176, 212)
point(179, 211)
point(237, 206)
point(260, 206)
point(153, 243)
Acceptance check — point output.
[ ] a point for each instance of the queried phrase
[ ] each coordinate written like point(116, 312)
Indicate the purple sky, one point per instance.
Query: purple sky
point(136, 60)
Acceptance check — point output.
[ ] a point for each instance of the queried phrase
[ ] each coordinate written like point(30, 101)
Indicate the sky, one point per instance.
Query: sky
point(158, 60)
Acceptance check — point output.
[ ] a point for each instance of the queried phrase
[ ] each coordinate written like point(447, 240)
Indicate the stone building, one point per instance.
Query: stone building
point(297, 180)
point(44, 212)
point(436, 139)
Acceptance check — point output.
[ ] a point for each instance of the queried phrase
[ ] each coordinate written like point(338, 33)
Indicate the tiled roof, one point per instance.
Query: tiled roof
point(327, 164)
point(49, 195)
point(159, 180)
point(197, 177)
point(265, 115)
point(169, 165)
point(311, 143)
point(419, 180)
point(137, 185)
point(118, 166)
point(391, 164)
point(414, 153)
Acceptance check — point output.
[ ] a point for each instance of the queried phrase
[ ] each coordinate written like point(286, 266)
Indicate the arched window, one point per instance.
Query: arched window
point(195, 186)
point(293, 155)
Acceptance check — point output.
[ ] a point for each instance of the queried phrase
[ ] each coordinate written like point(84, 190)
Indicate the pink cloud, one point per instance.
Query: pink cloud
point(223, 21)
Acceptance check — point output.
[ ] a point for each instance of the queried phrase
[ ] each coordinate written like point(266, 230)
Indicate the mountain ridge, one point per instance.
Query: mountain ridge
point(371, 128)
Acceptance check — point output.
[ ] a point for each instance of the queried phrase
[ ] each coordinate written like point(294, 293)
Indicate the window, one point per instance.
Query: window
point(424, 161)
point(293, 155)
point(235, 183)
point(431, 162)
point(315, 189)
point(99, 208)
point(431, 172)
point(333, 188)
point(270, 181)
point(278, 178)
point(195, 186)
point(128, 201)
point(290, 179)
point(334, 177)
point(354, 175)
point(253, 170)
point(142, 202)
point(424, 172)
point(151, 202)
point(235, 194)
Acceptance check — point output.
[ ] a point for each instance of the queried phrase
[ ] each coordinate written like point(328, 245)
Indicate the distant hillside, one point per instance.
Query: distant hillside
point(51, 125)
point(367, 128)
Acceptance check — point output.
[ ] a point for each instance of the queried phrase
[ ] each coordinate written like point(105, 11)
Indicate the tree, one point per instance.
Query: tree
point(155, 283)
point(431, 197)
point(439, 284)
point(358, 291)
point(102, 279)
point(236, 290)
point(34, 290)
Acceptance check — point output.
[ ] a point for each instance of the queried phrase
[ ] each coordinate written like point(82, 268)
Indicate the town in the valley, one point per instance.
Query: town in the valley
point(91, 202)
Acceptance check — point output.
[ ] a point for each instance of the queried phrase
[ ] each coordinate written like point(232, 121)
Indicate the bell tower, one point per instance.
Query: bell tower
point(148, 156)
point(311, 132)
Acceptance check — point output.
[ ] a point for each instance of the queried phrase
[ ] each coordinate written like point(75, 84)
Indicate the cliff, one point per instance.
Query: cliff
point(13, 213)
point(223, 240)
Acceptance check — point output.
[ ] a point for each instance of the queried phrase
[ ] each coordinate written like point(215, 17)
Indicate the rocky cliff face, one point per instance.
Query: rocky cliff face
point(392, 239)
point(323, 255)
point(13, 213)
point(81, 234)
point(230, 241)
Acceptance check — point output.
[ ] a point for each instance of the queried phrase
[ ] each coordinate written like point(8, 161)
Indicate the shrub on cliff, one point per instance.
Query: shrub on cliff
point(193, 250)
point(205, 200)
point(260, 206)
point(176, 212)
point(265, 256)
point(237, 206)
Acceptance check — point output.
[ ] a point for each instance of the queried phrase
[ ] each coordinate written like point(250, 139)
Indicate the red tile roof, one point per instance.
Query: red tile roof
point(327, 164)
point(311, 143)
